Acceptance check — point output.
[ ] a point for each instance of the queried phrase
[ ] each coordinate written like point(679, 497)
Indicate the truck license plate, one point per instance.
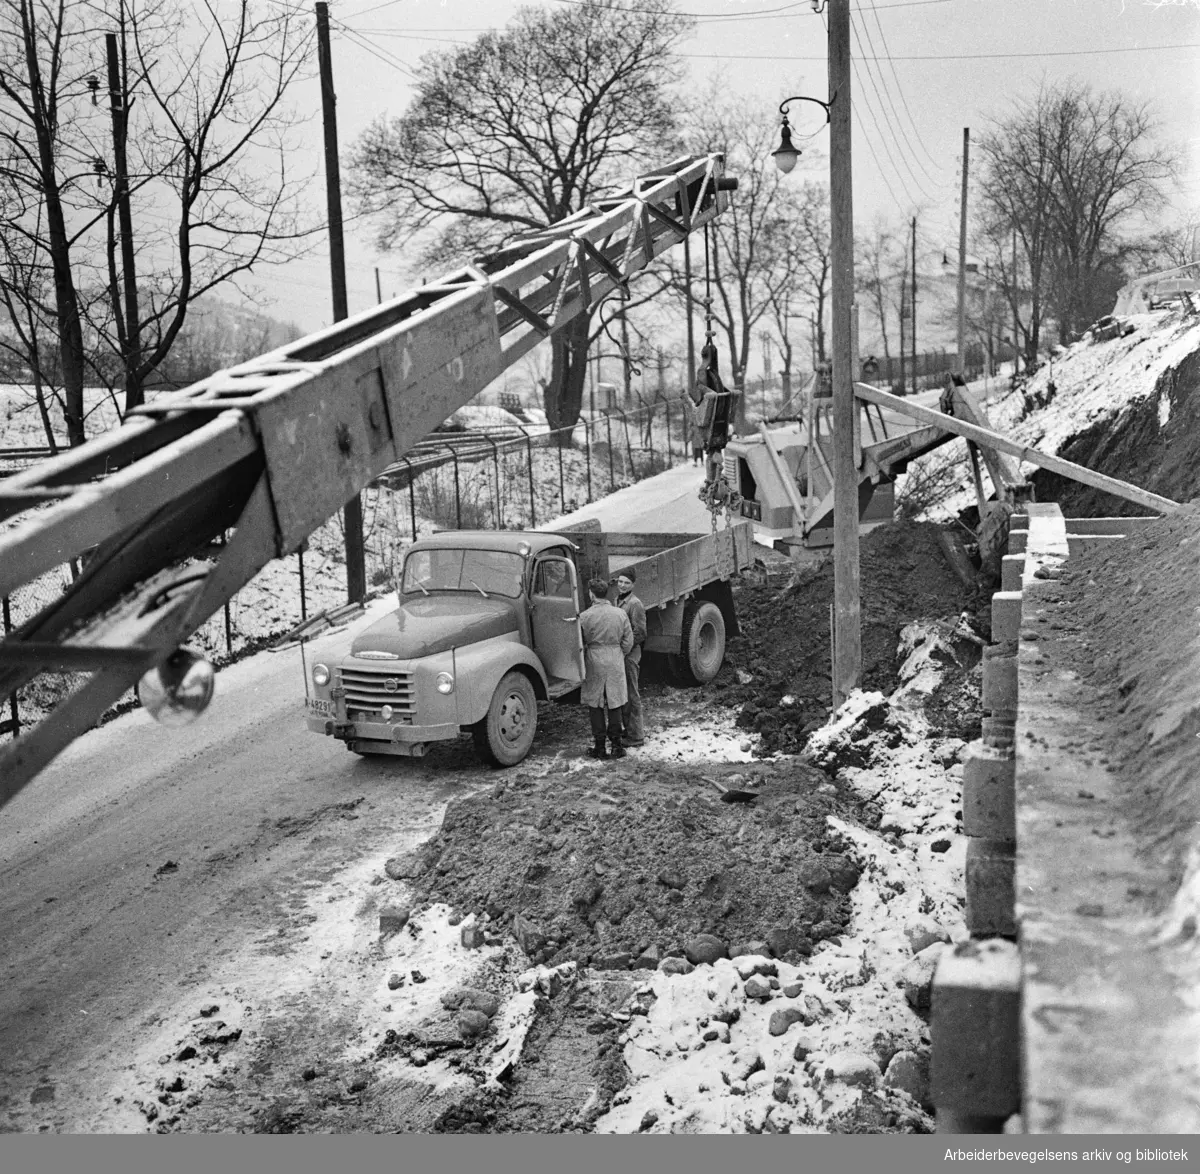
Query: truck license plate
point(322, 708)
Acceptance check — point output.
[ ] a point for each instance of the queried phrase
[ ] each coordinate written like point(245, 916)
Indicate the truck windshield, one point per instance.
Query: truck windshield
point(488, 572)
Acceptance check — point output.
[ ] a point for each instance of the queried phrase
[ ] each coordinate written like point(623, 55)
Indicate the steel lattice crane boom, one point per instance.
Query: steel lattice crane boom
point(273, 448)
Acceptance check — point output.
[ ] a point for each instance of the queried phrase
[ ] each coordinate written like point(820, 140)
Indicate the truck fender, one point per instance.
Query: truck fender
point(721, 593)
point(479, 668)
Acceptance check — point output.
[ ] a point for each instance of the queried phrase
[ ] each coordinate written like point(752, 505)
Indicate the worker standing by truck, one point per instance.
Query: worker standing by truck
point(607, 640)
point(629, 603)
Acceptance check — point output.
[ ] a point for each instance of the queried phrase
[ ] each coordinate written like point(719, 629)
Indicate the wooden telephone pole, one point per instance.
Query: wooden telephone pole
point(847, 651)
point(914, 305)
point(962, 261)
point(356, 568)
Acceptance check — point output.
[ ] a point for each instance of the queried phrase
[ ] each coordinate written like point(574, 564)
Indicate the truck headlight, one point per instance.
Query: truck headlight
point(386, 713)
point(321, 674)
point(444, 683)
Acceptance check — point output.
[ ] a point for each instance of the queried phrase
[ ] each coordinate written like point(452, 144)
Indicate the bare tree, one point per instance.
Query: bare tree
point(880, 268)
point(197, 109)
point(517, 130)
point(1070, 171)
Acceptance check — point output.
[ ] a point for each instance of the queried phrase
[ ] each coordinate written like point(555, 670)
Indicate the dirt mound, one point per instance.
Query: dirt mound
point(780, 671)
point(605, 868)
point(1130, 601)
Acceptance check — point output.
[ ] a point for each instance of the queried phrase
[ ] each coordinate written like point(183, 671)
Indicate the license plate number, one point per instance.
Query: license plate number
point(322, 708)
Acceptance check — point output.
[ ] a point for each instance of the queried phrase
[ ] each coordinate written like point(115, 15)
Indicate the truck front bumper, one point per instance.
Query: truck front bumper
point(382, 738)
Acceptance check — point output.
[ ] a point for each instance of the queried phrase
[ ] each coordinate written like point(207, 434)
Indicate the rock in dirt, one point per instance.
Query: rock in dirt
point(782, 1019)
point(922, 932)
point(529, 937)
point(909, 1072)
point(208, 1010)
point(676, 966)
point(852, 1068)
point(814, 876)
point(622, 960)
point(750, 964)
point(705, 948)
point(786, 939)
point(404, 867)
point(793, 990)
point(395, 981)
point(671, 878)
point(805, 1045)
point(746, 1063)
point(918, 976)
point(782, 1089)
point(648, 959)
point(470, 998)
point(472, 1024)
point(393, 918)
point(472, 937)
point(757, 988)
point(843, 873)
point(217, 1032)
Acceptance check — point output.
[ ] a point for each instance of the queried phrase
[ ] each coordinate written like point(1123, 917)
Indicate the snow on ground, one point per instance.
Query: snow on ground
point(1093, 381)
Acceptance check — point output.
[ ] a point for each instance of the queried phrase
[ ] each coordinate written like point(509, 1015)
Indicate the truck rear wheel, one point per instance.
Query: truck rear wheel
point(702, 644)
point(504, 737)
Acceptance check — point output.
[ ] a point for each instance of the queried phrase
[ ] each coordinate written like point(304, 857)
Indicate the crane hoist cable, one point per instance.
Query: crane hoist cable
point(711, 409)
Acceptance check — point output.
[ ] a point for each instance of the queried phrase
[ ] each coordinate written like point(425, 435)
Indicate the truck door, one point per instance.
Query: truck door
point(557, 638)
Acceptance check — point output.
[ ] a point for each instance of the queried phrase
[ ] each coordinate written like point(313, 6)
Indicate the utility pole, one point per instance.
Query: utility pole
point(903, 315)
point(1016, 301)
point(914, 304)
point(962, 260)
point(356, 567)
point(132, 357)
point(847, 651)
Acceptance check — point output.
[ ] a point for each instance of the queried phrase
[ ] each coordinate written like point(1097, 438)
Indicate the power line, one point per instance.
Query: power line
point(383, 55)
point(945, 56)
point(900, 89)
point(886, 120)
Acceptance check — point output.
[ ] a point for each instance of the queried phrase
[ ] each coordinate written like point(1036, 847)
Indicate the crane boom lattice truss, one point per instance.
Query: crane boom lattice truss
point(274, 447)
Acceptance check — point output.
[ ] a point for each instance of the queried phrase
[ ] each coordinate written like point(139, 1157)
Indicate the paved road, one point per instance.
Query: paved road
point(145, 856)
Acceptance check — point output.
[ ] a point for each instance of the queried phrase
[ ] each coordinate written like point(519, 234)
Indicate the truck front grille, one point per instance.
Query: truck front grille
point(729, 467)
point(370, 688)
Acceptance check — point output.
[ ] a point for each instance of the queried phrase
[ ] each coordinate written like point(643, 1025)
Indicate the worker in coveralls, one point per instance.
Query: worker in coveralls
point(607, 640)
point(631, 715)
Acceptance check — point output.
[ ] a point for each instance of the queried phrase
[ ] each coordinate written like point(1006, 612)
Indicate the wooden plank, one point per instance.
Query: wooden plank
point(1005, 474)
point(994, 440)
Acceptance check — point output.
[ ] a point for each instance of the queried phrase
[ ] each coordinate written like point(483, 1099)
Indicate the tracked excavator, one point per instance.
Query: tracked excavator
point(265, 452)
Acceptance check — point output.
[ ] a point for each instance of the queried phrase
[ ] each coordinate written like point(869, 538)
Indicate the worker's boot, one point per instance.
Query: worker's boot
point(617, 751)
point(598, 751)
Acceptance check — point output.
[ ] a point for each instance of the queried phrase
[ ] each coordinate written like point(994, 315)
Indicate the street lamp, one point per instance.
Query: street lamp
point(786, 154)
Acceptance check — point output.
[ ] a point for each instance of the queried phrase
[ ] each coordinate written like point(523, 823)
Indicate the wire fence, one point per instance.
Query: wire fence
point(512, 478)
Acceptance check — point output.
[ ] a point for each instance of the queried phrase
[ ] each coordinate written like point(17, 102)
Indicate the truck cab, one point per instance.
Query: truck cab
point(487, 625)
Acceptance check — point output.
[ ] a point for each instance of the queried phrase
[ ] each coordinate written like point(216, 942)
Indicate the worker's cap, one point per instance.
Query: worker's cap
point(629, 576)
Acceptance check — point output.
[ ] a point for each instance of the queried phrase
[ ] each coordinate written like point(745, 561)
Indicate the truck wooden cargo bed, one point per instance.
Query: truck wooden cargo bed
point(667, 566)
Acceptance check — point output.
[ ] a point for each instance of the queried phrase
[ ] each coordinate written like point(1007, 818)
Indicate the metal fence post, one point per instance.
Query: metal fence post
point(412, 497)
point(670, 452)
point(457, 494)
point(587, 439)
point(612, 480)
point(529, 461)
point(496, 467)
point(303, 603)
point(562, 492)
point(12, 726)
point(628, 446)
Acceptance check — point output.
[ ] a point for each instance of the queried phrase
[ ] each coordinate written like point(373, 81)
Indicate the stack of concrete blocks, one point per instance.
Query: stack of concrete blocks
point(975, 1074)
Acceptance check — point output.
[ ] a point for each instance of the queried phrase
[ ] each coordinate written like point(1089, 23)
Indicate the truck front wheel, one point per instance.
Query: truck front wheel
point(504, 737)
point(702, 644)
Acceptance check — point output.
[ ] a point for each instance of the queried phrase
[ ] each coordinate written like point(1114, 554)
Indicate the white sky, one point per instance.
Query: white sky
point(924, 70)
